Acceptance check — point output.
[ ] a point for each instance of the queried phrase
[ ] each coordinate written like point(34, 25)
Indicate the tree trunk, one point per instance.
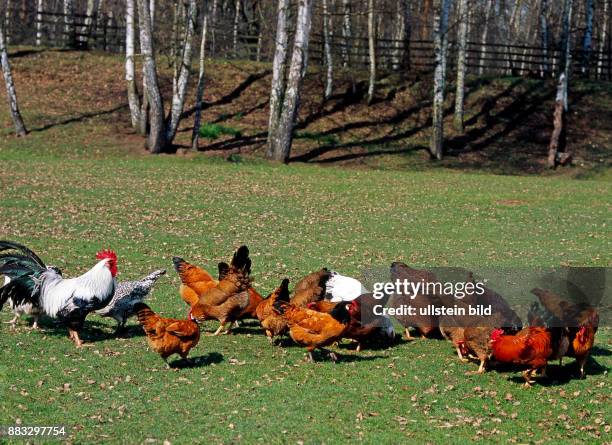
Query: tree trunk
point(7, 22)
point(197, 119)
point(327, 36)
point(461, 64)
point(39, 23)
point(69, 29)
point(602, 40)
point(371, 51)
point(157, 135)
point(11, 95)
point(557, 140)
point(281, 142)
point(441, 12)
point(236, 23)
point(277, 90)
point(213, 25)
point(130, 67)
point(587, 41)
point(178, 99)
point(346, 33)
point(483, 40)
point(565, 36)
point(545, 38)
point(86, 30)
point(401, 53)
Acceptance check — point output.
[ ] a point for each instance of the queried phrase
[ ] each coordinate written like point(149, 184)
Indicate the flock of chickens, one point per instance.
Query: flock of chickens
point(324, 308)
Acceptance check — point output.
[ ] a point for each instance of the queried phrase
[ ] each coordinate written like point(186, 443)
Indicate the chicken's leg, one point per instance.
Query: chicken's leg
point(408, 336)
point(481, 368)
point(310, 357)
point(74, 336)
point(218, 331)
point(35, 324)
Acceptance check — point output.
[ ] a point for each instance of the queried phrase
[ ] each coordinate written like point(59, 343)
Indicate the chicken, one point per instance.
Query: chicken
point(194, 280)
point(313, 329)
point(273, 323)
point(310, 288)
point(364, 324)
point(427, 325)
point(322, 306)
point(342, 288)
point(127, 294)
point(503, 316)
point(25, 308)
point(531, 346)
point(69, 300)
point(581, 320)
point(168, 336)
point(475, 340)
point(230, 297)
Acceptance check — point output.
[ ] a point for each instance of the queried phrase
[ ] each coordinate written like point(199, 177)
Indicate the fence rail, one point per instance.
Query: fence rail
point(53, 28)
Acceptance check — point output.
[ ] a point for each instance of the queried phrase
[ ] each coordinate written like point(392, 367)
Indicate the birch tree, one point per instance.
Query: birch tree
point(587, 41)
point(371, 51)
point(39, 23)
point(87, 28)
point(282, 139)
point(178, 98)
point(69, 29)
point(236, 26)
point(130, 66)
point(461, 64)
point(603, 38)
point(483, 39)
point(197, 119)
point(11, 95)
point(279, 63)
point(327, 36)
point(346, 32)
point(401, 54)
point(156, 141)
point(441, 13)
point(544, 37)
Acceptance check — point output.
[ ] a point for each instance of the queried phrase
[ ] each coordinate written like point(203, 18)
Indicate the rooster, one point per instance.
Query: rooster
point(127, 294)
point(531, 346)
point(168, 336)
point(69, 300)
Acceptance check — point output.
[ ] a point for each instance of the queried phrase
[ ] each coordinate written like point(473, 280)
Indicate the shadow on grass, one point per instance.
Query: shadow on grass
point(557, 375)
point(198, 362)
point(79, 118)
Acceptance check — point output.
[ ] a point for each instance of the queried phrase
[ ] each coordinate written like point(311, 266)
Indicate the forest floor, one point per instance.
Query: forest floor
point(508, 120)
point(80, 181)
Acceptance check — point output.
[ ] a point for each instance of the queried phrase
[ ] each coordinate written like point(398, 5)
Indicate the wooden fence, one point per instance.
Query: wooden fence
point(105, 33)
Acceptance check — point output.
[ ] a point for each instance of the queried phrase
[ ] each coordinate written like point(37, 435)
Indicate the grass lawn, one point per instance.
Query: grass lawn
point(74, 188)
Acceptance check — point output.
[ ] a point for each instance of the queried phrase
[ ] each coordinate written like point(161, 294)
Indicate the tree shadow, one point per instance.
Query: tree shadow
point(79, 118)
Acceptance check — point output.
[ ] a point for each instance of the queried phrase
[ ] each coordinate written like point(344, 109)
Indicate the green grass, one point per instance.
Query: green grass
point(215, 131)
point(67, 192)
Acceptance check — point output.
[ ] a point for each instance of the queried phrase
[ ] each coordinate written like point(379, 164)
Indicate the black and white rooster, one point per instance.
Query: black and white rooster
point(127, 294)
point(68, 300)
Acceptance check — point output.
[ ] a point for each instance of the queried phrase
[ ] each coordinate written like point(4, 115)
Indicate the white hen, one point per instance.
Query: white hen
point(342, 288)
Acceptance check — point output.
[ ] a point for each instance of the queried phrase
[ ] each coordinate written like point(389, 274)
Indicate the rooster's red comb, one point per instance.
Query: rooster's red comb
point(106, 253)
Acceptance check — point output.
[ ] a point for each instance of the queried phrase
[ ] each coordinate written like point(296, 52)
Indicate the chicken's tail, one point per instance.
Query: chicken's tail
point(146, 317)
point(241, 261)
point(188, 273)
point(23, 268)
point(281, 303)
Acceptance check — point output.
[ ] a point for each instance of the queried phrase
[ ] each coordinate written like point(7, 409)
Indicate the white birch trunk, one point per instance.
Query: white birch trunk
point(440, 30)
point(11, 95)
point(602, 40)
point(461, 64)
point(156, 141)
point(371, 51)
point(483, 39)
point(39, 23)
point(566, 37)
point(277, 89)
point(69, 30)
point(236, 23)
point(213, 25)
point(587, 41)
point(327, 36)
point(281, 146)
point(7, 21)
point(130, 66)
point(86, 29)
point(545, 38)
point(402, 35)
point(346, 32)
point(178, 99)
point(197, 119)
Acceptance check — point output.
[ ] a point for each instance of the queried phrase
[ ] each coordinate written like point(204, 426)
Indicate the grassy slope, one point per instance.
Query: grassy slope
point(73, 188)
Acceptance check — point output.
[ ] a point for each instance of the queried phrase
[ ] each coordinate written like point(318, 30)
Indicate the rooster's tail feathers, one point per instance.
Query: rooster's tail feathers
point(280, 306)
point(223, 270)
point(25, 255)
point(143, 312)
point(283, 294)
